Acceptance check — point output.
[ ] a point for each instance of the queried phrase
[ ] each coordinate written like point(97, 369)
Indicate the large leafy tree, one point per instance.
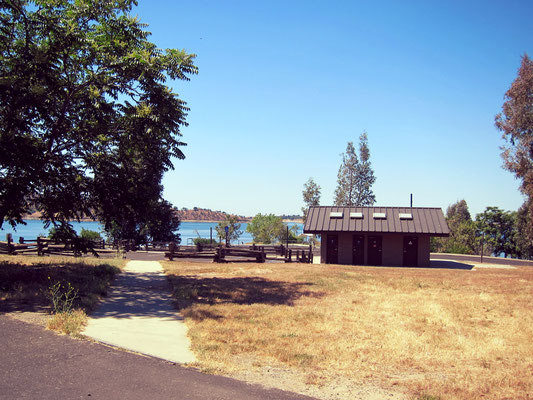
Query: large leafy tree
point(516, 124)
point(311, 196)
point(356, 176)
point(266, 228)
point(458, 211)
point(524, 232)
point(499, 227)
point(462, 239)
point(88, 124)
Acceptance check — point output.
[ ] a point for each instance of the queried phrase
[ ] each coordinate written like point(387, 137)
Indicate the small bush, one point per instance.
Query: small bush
point(185, 293)
point(62, 296)
point(204, 242)
point(90, 235)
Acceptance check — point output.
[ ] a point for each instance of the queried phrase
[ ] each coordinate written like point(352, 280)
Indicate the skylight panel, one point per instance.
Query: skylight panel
point(378, 215)
point(356, 215)
point(406, 216)
point(335, 214)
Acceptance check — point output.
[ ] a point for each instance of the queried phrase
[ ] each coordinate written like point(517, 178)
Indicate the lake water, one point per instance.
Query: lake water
point(187, 230)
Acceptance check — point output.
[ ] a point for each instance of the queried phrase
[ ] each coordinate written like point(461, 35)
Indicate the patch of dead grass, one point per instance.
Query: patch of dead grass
point(68, 323)
point(456, 334)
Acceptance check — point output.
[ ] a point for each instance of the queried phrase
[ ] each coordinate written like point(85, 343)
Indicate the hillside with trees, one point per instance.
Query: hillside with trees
point(203, 214)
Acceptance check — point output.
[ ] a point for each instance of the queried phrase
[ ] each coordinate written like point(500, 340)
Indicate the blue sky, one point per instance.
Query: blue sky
point(284, 85)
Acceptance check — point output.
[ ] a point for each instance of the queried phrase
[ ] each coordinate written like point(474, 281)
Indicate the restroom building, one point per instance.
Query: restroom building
point(393, 236)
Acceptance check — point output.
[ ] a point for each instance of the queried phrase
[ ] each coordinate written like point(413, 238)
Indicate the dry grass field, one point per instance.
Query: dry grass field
point(420, 333)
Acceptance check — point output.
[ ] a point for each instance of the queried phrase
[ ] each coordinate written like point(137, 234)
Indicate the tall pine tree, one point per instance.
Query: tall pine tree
point(355, 177)
point(311, 196)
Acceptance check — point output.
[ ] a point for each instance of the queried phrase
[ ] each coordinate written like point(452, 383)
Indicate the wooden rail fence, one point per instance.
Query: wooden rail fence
point(219, 253)
point(250, 253)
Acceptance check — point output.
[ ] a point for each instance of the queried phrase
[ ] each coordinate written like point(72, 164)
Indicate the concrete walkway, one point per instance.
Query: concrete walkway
point(138, 315)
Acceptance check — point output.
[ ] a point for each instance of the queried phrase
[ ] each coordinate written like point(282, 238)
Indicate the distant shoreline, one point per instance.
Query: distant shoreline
point(296, 221)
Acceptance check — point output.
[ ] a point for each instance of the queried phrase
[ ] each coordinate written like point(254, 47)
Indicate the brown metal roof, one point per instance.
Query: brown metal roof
point(427, 221)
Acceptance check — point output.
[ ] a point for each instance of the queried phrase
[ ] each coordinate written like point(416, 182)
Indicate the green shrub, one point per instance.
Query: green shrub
point(204, 242)
point(90, 235)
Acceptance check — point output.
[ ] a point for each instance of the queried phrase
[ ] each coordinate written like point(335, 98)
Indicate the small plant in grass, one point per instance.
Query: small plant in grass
point(62, 296)
point(69, 323)
point(65, 318)
point(185, 293)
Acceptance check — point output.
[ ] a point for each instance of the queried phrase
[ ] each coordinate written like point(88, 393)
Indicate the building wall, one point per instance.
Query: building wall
point(423, 251)
point(323, 245)
point(345, 248)
point(392, 248)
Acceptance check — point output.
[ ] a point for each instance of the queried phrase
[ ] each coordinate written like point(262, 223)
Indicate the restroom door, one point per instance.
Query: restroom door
point(374, 250)
point(332, 249)
point(358, 250)
point(410, 251)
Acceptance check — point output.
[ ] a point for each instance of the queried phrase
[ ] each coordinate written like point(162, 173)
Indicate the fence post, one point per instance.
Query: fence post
point(39, 246)
point(10, 247)
point(21, 240)
point(171, 248)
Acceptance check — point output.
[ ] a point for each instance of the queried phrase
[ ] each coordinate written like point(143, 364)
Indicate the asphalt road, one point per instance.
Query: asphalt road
point(38, 364)
point(487, 260)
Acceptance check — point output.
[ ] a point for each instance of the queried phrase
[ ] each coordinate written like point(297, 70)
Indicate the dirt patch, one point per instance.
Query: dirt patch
point(280, 377)
point(36, 314)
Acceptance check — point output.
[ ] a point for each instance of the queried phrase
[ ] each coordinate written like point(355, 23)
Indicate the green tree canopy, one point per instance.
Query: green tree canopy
point(88, 125)
point(462, 239)
point(266, 228)
point(499, 227)
point(458, 211)
point(524, 232)
point(311, 196)
point(234, 232)
point(356, 176)
point(516, 124)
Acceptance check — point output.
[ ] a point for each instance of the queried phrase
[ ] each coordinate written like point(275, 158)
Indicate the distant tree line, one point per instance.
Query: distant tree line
point(500, 232)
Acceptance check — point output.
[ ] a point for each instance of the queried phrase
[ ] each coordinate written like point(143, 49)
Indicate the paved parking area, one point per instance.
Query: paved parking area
point(39, 364)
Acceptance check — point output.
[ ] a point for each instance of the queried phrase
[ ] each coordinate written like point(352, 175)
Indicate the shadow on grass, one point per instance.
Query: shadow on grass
point(241, 290)
point(448, 264)
point(25, 287)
